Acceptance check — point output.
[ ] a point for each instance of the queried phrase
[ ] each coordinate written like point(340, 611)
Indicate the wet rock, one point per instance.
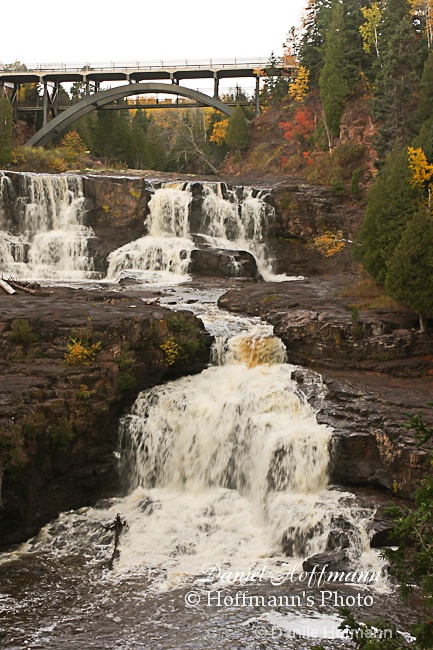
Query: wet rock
point(293, 541)
point(381, 532)
point(223, 263)
point(318, 329)
point(330, 561)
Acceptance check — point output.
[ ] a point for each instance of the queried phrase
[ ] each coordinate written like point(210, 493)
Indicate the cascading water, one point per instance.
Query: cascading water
point(43, 236)
point(46, 237)
point(227, 474)
point(229, 219)
point(166, 249)
point(231, 465)
point(238, 221)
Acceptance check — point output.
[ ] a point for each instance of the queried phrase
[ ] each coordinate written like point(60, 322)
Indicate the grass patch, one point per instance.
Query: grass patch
point(366, 294)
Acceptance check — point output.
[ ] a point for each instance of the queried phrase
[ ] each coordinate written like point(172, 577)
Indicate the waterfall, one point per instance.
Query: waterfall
point(46, 238)
point(226, 469)
point(166, 249)
point(42, 235)
point(229, 219)
point(232, 466)
point(238, 221)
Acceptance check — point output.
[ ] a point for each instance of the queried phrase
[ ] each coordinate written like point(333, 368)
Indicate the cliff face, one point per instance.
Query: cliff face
point(72, 363)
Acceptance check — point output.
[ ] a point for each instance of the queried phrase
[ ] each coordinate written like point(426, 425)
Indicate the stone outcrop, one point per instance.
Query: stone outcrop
point(59, 408)
point(319, 330)
point(208, 260)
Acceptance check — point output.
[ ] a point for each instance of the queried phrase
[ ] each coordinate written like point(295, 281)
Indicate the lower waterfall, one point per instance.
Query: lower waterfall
point(228, 468)
point(226, 494)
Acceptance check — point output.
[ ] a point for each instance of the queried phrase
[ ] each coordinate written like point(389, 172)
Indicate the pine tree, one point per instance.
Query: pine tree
point(392, 202)
point(112, 135)
point(425, 111)
point(140, 152)
point(355, 58)
point(398, 77)
point(409, 279)
point(6, 131)
point(237, 130)
point(334, 88)
point(276, 85)
point(315, 24)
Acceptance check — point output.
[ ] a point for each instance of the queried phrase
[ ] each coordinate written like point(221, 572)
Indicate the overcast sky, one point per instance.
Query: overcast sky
point(90, 30)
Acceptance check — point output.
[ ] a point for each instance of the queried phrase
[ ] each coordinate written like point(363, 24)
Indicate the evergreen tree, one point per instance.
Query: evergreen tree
point(425, 139)
point(112, 135)
point(425, 111)
point(334, 88)
point(315, 24)
point(140, 152)
point(409, 279)
point(86, 128)
point(392, 202)
point(355, 58)
point(6, 131)
point(158, 151)
point(237, 130)
point(276, 85)
point(398, 78)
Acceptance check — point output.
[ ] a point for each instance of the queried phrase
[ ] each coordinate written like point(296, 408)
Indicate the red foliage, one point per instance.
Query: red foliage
point(302, 125)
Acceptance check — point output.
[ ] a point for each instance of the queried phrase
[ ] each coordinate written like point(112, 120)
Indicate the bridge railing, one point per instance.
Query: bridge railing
point(248, 62)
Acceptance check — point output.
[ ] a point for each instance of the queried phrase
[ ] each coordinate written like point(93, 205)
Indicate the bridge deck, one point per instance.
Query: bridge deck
point(136, 71)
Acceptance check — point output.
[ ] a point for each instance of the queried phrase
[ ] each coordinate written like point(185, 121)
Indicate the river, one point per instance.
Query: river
point(225, 473)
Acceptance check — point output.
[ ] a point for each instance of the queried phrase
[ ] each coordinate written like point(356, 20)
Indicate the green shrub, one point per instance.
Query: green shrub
point(354, 183)
point(61, 435)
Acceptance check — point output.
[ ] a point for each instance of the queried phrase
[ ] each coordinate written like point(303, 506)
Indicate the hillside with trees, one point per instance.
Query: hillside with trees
point(357, 118)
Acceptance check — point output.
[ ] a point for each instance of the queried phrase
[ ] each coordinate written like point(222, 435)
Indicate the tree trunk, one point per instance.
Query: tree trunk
point(7, 287)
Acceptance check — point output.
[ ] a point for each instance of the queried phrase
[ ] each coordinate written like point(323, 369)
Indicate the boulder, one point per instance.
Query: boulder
point(223, 263)
point(332, 561)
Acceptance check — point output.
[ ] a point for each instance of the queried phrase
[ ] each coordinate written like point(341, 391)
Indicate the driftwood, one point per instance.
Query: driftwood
point(7, 287)
point(21, 287)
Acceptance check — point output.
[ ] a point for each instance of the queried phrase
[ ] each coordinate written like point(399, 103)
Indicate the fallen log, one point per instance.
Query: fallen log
point(21, 287)
point(7, 287)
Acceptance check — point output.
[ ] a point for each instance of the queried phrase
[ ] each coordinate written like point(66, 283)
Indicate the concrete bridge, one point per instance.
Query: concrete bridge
point(134, 73)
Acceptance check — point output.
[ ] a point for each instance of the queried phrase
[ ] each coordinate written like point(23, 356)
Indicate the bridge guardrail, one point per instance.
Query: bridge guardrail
point(248, 62)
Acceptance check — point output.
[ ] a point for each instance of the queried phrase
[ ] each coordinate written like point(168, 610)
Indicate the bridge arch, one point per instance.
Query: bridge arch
point(100, 99)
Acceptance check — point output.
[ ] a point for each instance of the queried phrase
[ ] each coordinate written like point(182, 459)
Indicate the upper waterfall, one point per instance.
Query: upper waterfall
point(43, 232)
point(45, 237)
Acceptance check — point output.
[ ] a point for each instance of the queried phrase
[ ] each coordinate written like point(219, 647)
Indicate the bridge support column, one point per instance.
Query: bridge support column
point(14, 100)
point(55, 100)
point(51, 102)
point(45, 121)
point(216, 84)
point(257, 96)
